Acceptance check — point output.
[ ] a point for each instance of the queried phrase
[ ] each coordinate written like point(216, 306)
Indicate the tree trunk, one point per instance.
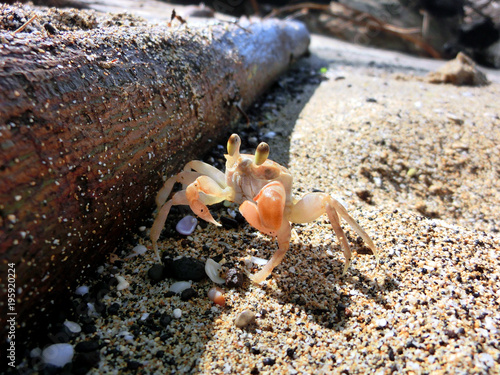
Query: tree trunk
point(93, 113)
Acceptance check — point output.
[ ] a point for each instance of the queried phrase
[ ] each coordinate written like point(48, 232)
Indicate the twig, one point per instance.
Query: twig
point(25, 25)
point(363, 19)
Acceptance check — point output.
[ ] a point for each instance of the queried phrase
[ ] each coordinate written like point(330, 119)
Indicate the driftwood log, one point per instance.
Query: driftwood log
point(93, 111)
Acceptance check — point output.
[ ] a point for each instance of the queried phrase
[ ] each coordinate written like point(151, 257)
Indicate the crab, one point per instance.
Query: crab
point(263, 189)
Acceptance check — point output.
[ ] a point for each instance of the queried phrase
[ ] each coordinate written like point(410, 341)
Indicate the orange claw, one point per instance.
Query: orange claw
point(198, 207)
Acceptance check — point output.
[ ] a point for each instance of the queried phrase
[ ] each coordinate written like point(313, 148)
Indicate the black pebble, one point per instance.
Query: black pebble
point(269, 361)
point(156, 273)
point(189, 269)
point(187, 294)
point(290, 352)
point(87, 346)
point(165, 320)
point(234, 278)
point(228, 222)
point(83, 362)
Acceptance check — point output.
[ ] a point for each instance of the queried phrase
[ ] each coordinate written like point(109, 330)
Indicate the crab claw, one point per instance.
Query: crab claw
point(267, 214)
point(201, 192)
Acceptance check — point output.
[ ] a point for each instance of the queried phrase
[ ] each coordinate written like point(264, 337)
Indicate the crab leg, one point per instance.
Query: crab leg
point(179, 198)
point(191, 172)
point(267, 215)
point(313, 205)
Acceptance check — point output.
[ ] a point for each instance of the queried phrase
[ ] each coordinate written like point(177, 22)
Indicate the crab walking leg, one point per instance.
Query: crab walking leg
point(185, 178)
point(179, 198)
point(313, 205)
point(283, 245)
point(267, 215)
point(207, 170)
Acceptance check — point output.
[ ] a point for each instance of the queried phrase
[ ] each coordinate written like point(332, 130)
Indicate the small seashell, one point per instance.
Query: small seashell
point(122, 283)
point(212, 269)
point(179, 286)
point(258, 261)
point(244, 318)
point(186, 225)
point(216, 295)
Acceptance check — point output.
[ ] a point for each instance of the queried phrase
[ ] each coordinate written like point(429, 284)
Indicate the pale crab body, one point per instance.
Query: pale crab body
point(263, 189)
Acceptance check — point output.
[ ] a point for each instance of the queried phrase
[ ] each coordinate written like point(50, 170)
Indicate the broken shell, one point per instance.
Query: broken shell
point(217, 296)
point(179, 286)
point(212, 269)
point(186, 225)
point(122, 283)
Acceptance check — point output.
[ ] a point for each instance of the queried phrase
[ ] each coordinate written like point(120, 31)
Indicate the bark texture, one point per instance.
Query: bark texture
point(93, 111)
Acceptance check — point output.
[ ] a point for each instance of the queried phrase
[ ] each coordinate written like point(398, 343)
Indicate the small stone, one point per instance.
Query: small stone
point(187, 294)
point(58, 355)
point(113, 309)
point(72, 327)
point(229, 223)
point(234, 278)
point(133, 365)
point(189, 269)
point(157, 273)
point(269, 361)
point(244, 319)
point(381, 323)
point(165, 320)
point(177, 313)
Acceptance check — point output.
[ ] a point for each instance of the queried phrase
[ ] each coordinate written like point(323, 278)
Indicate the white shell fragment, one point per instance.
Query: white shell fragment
point(82, 290)
point(212, 269)
point(186, 225)
point(58, 354)
point(72, 326)
point(122, 283)
point(179, 286)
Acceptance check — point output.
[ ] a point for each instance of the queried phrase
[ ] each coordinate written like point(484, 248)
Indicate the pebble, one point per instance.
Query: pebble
point(58, 354)
point(186, 225)
point(229, 223)
point(188, 294)
point(234, 278)
point(244, 318)
point(187, 268)
point(177, 313)
point(157, 273)
point(381, 323)
point(72, 327)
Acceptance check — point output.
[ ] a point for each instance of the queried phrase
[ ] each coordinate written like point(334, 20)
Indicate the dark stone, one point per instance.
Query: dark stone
point(187, 294)
point(189, 269)
point(156, 273)
point(234, 278)
point(269, 361)
point(89, 328)
point(228, 222)
point(83, 362)
point(113, 309)
point(165, 320)
point(290, 352)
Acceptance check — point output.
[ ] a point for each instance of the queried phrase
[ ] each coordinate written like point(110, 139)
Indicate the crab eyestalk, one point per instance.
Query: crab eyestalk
point(261, 153)
point(233, 145)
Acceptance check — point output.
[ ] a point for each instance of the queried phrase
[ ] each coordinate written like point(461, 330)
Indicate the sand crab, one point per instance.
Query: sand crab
point(263, 188)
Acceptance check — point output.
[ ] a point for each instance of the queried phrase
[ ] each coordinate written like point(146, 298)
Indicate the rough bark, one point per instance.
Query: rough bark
point(93, 114)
